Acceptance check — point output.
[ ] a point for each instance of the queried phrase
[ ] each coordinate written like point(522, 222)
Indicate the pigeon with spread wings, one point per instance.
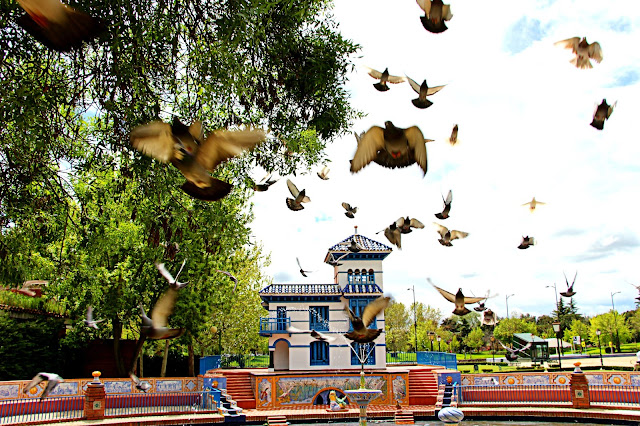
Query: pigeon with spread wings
point(233, 278)
point(360, 332)
point(299, 197)
point(489, 318)
point(302, 271)
point(512, 354)
point(384, 78)
point(458, 299)
point(140, 385)
point(447, 206)
point(393, 234)
point(435, 13)
point(423, 91)
point(315, 334)
point(583, 50)
point(264, 184)
point(89, 321)
point(350, 211)
point(569, 292)
point(533, 204)
point(52, 382)
point(391, 147)
point(446, 235)
point(324, 173)
point(601, 114)
point(406, 224)
point(192, 154)
point(526, 242)
point(58, 26)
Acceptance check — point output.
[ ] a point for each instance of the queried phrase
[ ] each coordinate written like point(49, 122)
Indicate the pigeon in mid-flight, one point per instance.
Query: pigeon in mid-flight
point(447, 206)
point(453, 139)
point(360, 332)
point(583, 50)
point(446, 235)
point(406, 224)
point(140, 385)
point(350, 211)
point(336, 262)
point(533, 204)
point(391, 147)
point(480, 307)
point(512, 354)
point(393, 234)
point(489, 318)
point(526, 242)
point(423, 91)
point(569, 292)
point(354, 247)
point(264, 184)
point(192, 154)
point(52, 382)
point(384, 78)
point(324, 173)
point(58, 26)
point(458, 299)
point(89, 321)
point(315, 334)
point(435, 13)
point(302, 271)
point(299, 197)
point(234, 279)
point(601, 114)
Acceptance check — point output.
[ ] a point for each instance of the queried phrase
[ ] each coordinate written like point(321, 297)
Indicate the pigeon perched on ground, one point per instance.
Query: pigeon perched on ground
point(458, 299)
point(52, 382)
point(583, 51)
point(315, 334)
point(423, 91)
point(324, 173)
point(302, 271)
point(186, 148)
point(234, 279)
point(512, 354)
point(89, 321)
point(405, 224)
point(299, 197)
point(140, 385)
point(384, 78)
point(602, 113)
point(360, 332)
point(569, 292)
point(446, 236)
point(526, 242)
point(453, 139)
point(435, 13)
point(489, 318)
point(393, 234)
point(350, 211)
point(264, 184)
point(533, 204)
point(447, 207)
point(58, 26)
point(391, 147)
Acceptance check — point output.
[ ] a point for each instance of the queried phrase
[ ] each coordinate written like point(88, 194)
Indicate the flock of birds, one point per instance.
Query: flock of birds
point(63, 28)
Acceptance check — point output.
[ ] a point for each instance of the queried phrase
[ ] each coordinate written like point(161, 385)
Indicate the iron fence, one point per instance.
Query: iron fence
point(244, 361)
point(614, 395)
point(514, 394)
point(163, 402)
point(53, 408)
point(399, 358)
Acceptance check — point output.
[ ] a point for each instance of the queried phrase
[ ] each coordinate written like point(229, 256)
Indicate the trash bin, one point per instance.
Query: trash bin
point(475, 367)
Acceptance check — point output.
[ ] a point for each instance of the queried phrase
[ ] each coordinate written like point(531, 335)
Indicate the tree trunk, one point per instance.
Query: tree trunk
point(163, 370)
point(191, 361)
point(139, 347)
point(117, 333)
point(141, 358)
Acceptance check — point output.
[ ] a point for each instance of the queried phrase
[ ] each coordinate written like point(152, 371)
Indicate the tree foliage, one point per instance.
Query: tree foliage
point(507, 327)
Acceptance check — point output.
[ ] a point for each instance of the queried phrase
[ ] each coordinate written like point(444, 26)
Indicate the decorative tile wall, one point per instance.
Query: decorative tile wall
point(594, 378)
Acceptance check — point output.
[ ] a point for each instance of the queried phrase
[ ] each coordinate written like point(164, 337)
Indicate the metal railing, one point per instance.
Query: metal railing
point(53, 408)
point(399, 358)
point(244, 361)
point(443, 359)
point(274, 325)
point(514, 394)
point(163, 402)
point(614, 395)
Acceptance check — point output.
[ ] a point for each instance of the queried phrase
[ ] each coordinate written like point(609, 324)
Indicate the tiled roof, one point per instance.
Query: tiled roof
point(301, 289)
point(361, 289)
point(366, 244)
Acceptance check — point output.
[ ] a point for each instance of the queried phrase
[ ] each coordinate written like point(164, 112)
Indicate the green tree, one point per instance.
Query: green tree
point(507, 327)
point(578, 328)
point(610, 324)
point(633, 323)
point(397, 324)
point(475, 339)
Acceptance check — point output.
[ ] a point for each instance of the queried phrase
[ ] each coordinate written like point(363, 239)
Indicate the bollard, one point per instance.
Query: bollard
point(579, 387)
point(95, 398)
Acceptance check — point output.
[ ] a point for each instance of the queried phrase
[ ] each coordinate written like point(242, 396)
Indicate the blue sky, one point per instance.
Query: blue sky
point(524, 113)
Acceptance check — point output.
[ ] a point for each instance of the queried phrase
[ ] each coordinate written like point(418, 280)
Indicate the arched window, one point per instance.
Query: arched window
point(372, 277)
point(350, 276)
point(356, 276)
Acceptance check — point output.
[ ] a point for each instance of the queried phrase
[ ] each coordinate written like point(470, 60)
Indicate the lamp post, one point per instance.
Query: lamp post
point(600, 348)
point(615, 321)
point(506, 300)
point(439, 339)
point(415, 318)
point(555, 292)
point(431, 338)
point(556, 329)
point(493, 349)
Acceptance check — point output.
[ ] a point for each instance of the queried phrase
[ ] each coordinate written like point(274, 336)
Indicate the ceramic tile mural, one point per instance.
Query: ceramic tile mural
point(635, 379)
point(596, 378)
point(117, 386)
point(449, 376)
point(9, 390)
point(168, 385)
point(264, 393)
point(561, 379)
point(399, 385)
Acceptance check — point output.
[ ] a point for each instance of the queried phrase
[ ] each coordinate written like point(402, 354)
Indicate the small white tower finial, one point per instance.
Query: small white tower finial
point(356, 230)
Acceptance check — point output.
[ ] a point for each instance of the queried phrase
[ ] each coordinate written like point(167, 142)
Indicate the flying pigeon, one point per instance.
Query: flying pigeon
point(447, 207)
point(405, 224)
point(360, 332)
point(435, 13)
point(423, 91)
point(526, 242)
point(489, 318)
point(324, 173)
point(583, 51)
point(602, 113)
point(480, 307)
point(89, 321)
point(264, 184)
point(140, 385)
point(302, 271)
point(384, 78)
point(26, 287)
point(393, 234)
point(458, 299)
point(173, 282)
point(569, 292)
point(58, 26)
point(447, 236)
point(315, 334)
point(354, 247)
point(186, 148)
point(350, 211)
point(234, 279)
point(533, 204)
point(299, 197)
point(336, 262)
point(453, 139)
point(391, 147)
point(358, 136)
point(52, 382)
point(512, 354)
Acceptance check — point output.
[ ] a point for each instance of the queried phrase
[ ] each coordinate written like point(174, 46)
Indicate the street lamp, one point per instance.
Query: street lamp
point(415, 318)
point(600, 348)
point(439, 339)
point(493, 349)
point(556, 329)
point(615, 321)
point(506, 299)
point(431, 337)
point(555, 291)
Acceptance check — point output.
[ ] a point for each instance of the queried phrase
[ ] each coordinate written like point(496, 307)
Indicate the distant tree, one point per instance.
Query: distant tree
point(609, 324)
point(633, 322)
point(397, 325)
point(543, 324)
point(507, 327)
point(578, 328)
point(475, 339)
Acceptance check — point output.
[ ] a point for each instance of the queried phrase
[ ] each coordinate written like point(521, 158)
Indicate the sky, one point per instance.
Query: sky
point(523, 113)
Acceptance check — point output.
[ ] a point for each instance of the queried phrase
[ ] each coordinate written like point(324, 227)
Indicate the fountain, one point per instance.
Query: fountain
point(363, 396)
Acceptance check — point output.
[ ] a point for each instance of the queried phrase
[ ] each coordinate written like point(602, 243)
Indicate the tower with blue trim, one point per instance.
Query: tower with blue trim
point(294, 309)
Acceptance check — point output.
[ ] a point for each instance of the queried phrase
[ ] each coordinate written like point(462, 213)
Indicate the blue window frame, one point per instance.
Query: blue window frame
point(357, 306)
point(281, 318)
point(319, 318)
point(319, 353)
point(363, 349)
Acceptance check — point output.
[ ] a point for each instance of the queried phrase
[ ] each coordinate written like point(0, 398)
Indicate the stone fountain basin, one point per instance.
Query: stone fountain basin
point(363, 395)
